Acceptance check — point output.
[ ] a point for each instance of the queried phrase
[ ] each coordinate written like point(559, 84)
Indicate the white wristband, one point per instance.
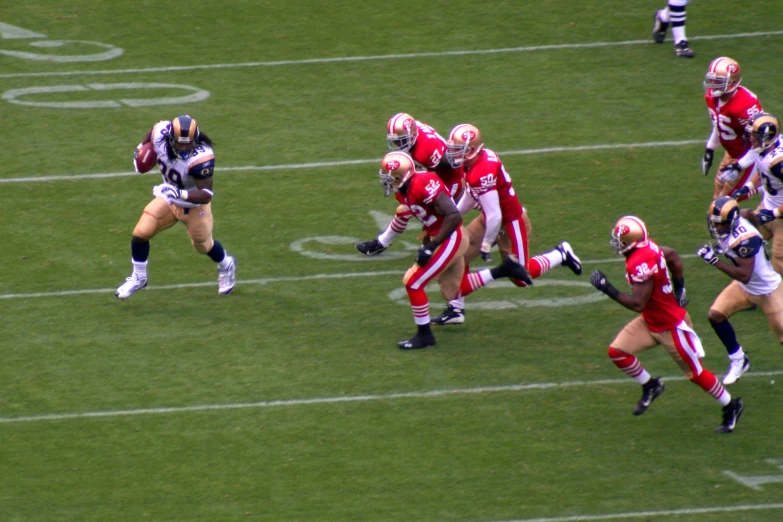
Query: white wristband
point(777, 213)
point(183, 194)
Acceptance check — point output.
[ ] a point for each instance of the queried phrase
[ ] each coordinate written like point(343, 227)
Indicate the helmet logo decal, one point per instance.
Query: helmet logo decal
point(408, 124)
point(623, 229)
point(731, 68)
point(392, 165)
point(468, 135)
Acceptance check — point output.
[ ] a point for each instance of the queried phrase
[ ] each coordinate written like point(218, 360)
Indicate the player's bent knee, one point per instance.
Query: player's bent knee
point(202, 247)
point(715, 316)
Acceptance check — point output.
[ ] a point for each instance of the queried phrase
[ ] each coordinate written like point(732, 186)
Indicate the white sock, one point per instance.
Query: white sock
point(738, 355)
point(387, 237)
point(663, 15)
point(458, 303)
point(678, 34)
point(644, 377)
point(486, 276)
point(139, 269)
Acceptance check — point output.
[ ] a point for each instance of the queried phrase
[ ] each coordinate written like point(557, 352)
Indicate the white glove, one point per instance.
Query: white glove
point(166, 191)
point(729, 173)
point(707, 254)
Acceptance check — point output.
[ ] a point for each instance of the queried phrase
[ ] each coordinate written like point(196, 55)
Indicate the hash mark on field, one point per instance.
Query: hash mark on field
point(346, 399)
point(262, 281)
point(407, 56)
point(346, 163)
point(659, 513)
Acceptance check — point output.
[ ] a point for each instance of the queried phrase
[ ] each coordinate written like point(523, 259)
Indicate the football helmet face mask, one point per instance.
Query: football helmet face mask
point(723, 217)
point(763, 132)
point(396, 169)
point(183, 136)
point(723, 77)
point(401, 132)
point(464, 143)
point(628, 233)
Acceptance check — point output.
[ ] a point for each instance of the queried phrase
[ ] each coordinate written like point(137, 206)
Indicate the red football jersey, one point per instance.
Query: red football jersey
point(662, 311)
point(488, 174)
point(428, 151)
point(422, 190)
point(731, 118)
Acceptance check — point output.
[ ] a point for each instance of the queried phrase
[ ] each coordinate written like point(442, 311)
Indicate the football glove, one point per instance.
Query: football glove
point(485, 253)
point(707, 254)
point(424, 254)
point(167, 192)
point(598, 280)
point(729, 173)
point(679, 291)
point(706, 161)
point(764, 216)
point(742, 192)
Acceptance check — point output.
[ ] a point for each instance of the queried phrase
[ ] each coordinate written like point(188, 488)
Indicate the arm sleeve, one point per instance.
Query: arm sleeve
point(747, 159)
point(466, 203)
point(714, 140)
point(490, 204)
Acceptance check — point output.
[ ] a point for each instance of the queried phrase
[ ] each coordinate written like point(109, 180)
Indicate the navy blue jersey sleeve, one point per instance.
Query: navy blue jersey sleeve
point(748, 247)
point(202, 170)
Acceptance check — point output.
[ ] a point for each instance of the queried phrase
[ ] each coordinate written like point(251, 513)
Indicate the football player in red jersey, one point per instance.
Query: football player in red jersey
point(663, 320)
point(731, 107)
point(427, 148)
point(441, 256)
point(502, 220)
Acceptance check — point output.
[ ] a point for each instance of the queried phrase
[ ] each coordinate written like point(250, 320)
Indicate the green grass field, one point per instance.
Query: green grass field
point(288, 400)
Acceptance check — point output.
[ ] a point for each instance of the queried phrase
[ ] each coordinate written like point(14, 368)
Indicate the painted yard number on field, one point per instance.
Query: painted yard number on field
point(755, 481)
point(23, 96)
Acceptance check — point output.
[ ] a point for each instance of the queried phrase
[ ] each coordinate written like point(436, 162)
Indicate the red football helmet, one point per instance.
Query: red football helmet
point(396, 168)
point(401, 132)
point(628, 233)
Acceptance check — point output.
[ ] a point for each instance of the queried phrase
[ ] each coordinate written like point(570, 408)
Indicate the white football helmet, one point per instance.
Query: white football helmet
point(628, 233)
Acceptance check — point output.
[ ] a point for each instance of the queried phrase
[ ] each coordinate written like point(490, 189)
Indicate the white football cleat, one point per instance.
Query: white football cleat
point(227, 278)
point(737, 367)
point(132, 284)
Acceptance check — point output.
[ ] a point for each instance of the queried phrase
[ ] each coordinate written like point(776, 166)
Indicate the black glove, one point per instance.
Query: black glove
point(706, 161)
point(424, 254)
point(679, 292)
point(598, 280)
point(764, 216)
point(707, 254)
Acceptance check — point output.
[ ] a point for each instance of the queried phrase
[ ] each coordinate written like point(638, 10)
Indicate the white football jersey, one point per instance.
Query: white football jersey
point(746, 241)
point(180, 172)
point(770, 168)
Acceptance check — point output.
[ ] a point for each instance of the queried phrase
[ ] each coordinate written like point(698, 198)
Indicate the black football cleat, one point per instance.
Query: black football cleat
point(651, 390)
point(450, 315)
point(511, 268)
point(370, 248)
point(417, 342)
point(683, 50)
point(659, 28)
point(731, 414)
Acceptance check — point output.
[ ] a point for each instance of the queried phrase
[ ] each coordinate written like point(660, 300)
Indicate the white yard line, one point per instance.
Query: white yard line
point(262, 281)
point(406, 56)
point(654, 514)
point(344, 163)
point(345, 399)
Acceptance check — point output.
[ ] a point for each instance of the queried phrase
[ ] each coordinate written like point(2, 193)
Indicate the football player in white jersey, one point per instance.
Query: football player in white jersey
point(187, 163)
point(755, 282)
point(766, 150)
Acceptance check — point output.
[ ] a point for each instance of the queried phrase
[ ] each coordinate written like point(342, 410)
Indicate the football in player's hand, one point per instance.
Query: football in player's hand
point(144, 158)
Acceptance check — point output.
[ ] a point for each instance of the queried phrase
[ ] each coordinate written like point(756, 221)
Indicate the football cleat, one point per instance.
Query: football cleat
point(227, 278)
point(651, 390)
point(131, 285)
point(370, 248)
point(450, 315)
point(511, 268)
point(683, 50)
point(731, 414)
point(569, 258)
point(737, 367)
point(417, 342)
point(659, 28)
